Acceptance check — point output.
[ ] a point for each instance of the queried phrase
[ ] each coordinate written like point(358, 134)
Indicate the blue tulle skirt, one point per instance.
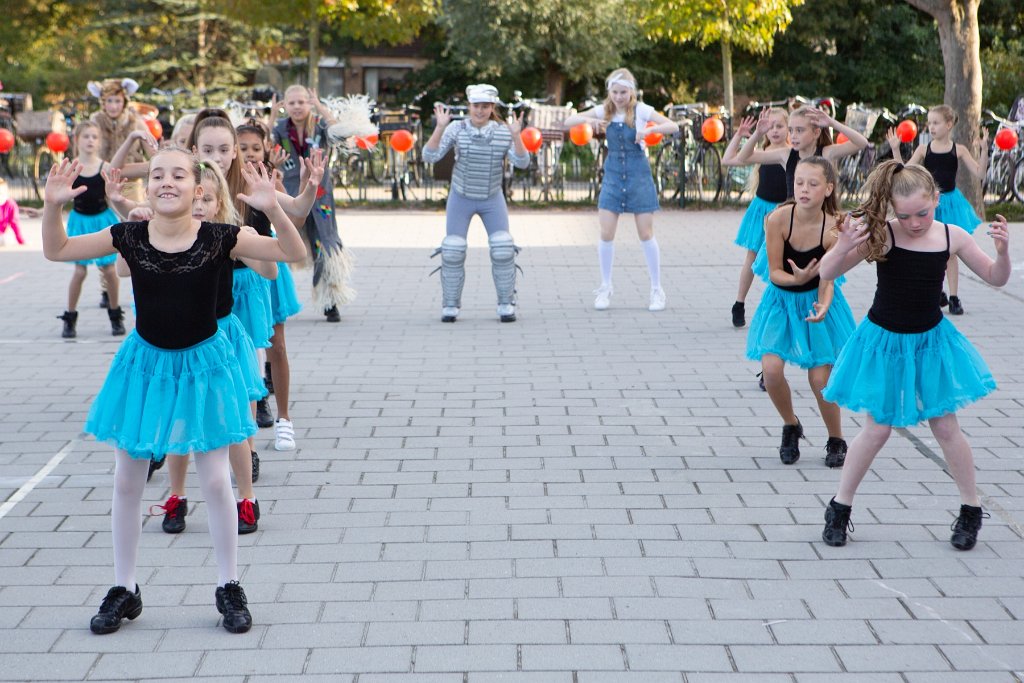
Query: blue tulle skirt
point(751, 233)
point(245, 353)
point(158, 401)
point(904, 379)
point(252, 305)
point(779, 328)
point(284, 301)
point(80, 224)
point(954, 209)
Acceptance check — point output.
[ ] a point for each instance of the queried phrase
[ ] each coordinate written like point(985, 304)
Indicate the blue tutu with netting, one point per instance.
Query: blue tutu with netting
point(751, 233)
point(761, 269)
point(158, 401)
point(245, 353)
point(779, 328)
point(903, 379)
point(252, 305)
point(80, 224)
point(284, 301)
point(954, 209)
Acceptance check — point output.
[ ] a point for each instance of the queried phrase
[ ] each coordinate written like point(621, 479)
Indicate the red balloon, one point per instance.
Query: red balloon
point(841, 138)
point(712, 129)
point(906, 130)
point(402, 141)
point(6, 140)
point(155, 128)
point(532, 139)
point(57, 142)
point(368, 142)
point(652, 139)
point(1006, 139)
point(581, 134)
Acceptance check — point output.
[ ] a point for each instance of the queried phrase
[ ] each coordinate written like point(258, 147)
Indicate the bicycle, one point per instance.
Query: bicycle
point(1004, 176)
point(689, 168)
point(545, 171)
point(854, 169)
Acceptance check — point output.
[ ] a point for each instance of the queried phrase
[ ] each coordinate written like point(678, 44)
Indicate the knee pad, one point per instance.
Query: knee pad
point(503, 249)
point(453, 250)
point(453, 270)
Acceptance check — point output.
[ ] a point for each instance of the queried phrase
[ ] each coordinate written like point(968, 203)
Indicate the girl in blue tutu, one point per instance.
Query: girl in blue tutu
point(175, 386)
point(905, 362)
point(942, 157)
point(803, 318)
point(770, 192)
point(90, 214)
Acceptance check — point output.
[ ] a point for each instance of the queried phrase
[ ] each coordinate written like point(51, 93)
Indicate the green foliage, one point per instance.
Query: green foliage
point(749, 25)
point(1002, 64)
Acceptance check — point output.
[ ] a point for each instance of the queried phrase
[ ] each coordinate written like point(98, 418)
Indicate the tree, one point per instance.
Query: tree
point(957, 22)
point(565, 39)
point(371, 22)
point(748, 25)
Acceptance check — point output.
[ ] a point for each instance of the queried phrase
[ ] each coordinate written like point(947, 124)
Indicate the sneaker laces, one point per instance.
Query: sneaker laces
point(168, 508)
point(837, 519)
point(233, 597)
point(246, 512)
point(114, 597)
point(969, 523)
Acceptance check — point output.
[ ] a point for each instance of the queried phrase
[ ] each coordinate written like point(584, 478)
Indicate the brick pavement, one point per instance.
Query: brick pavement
point(578, 497)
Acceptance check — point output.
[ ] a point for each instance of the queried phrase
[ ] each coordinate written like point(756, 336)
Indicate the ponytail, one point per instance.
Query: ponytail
point(891, 178)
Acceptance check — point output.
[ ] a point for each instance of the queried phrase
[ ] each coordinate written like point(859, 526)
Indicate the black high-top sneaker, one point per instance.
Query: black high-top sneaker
point(332, 314)
point(837, 520)
point(264, 418)
point(255, 466)
point(248, 516)
point(232, 603)
point(70, 319)
point(104, 300)
point(739, 317)
point(116, 316)
point(835, 452)
point(966, 527)
point(268, 377)
point(789, 451)
point(956, 307)
point(174, 510)
point(117, 605)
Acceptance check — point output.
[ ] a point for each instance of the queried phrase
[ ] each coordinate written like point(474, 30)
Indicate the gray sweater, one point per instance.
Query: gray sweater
point(479, 154)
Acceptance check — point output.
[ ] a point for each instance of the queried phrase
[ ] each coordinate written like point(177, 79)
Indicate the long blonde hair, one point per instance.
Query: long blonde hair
point(226, 212)
point(309, 125)
point(609, 106)
point(889, 179)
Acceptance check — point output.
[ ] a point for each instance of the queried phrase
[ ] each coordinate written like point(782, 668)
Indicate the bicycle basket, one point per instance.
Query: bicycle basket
point(549, 119)
point(39, 124)
point(862, 120)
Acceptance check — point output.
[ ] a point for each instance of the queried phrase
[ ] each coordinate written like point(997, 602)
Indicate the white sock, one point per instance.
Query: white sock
point(215, 481)
point(126, 516)
point(606, 255)
point(653, 256)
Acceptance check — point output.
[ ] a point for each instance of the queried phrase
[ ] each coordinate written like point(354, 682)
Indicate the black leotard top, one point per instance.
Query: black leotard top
point(909, 289)
point(771, 183)
point(802, 258)
point(225, 292)
point(791, 164)
point(94, 200)
point(943, 167)
point(260, 222)
point(176, 294)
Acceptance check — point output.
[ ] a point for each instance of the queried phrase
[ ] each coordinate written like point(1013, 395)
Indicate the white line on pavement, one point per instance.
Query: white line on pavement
point(27, 487)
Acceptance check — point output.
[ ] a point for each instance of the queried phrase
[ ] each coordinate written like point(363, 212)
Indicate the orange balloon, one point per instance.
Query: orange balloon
point(532, 139)
point(6, 141)
point(1006, 139)
point(402, 141)
point(840, 139)
point(155, 128)
point(57, 142)
point(367, 142)
point(906, 130)
point(652, 139)
point(581, 133)
point(712, 129)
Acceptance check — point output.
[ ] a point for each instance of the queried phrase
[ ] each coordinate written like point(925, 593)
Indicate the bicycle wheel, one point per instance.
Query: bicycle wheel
point(597, 172)
point(711, 164)
point(1017, 186)
point(997, 179)
point(734, 183)
point(375, 162)
point(44, 160)
point(668, 169)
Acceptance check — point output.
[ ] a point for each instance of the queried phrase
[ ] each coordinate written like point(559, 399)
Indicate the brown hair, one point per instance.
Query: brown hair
point(824, 139)
point(194, 165)
point(81, 127)
point(218, 118)
point(945, 111)
point(890, 179)
point(609, 106)
point(226, 212)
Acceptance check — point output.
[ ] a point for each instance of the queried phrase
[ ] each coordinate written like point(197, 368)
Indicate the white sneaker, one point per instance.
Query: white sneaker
point(604, 297)
point(449, 314)
point(284, 435)
point(507, 313)
point(657, 300)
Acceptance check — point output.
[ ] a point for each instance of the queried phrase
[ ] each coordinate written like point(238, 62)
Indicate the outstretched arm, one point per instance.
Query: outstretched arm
point(267, 269)
point(749, 154)
point(57, 246)
point(995, 272)
point(288, 245)
point(729, 157)
point(300, 205)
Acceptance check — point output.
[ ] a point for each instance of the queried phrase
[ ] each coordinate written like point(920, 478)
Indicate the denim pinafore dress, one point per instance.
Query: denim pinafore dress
point(627, 186)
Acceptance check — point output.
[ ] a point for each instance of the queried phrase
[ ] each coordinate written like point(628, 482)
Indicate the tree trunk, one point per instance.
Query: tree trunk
point(727, 75)
point(958, 35)
point(201, 50)
point(554, 82)
point(313, 78)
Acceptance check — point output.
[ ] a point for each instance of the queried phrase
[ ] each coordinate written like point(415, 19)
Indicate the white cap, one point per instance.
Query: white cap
point(482, 92)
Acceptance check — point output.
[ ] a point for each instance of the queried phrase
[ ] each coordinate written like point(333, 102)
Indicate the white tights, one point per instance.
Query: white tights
point(126, 513)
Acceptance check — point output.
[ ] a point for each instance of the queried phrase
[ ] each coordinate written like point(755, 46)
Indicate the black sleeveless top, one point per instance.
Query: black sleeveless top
point(260, 222)
point(771, 183)
point(791, 164)
point(943, 167)
point(802, 258)
point(94, 200)
point(909, 289)
point(225, 293)
point(176, 295)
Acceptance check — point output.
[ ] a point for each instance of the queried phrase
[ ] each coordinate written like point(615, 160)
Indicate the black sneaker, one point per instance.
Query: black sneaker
point(739, 318)
point(955, 307)
point(116, 316)
point(231, 602)
point(175, 510)
point(333, 316)
point(119, 604)
point(154, 465)
point(248, 516)
point(268, 377)
point(255, 466)
point(264, 418)
point(789, 451)
point(70, 319)
point(837, 521)
point(943, 300)
point(966, 527)
point(835, 452)
point(104, 300)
